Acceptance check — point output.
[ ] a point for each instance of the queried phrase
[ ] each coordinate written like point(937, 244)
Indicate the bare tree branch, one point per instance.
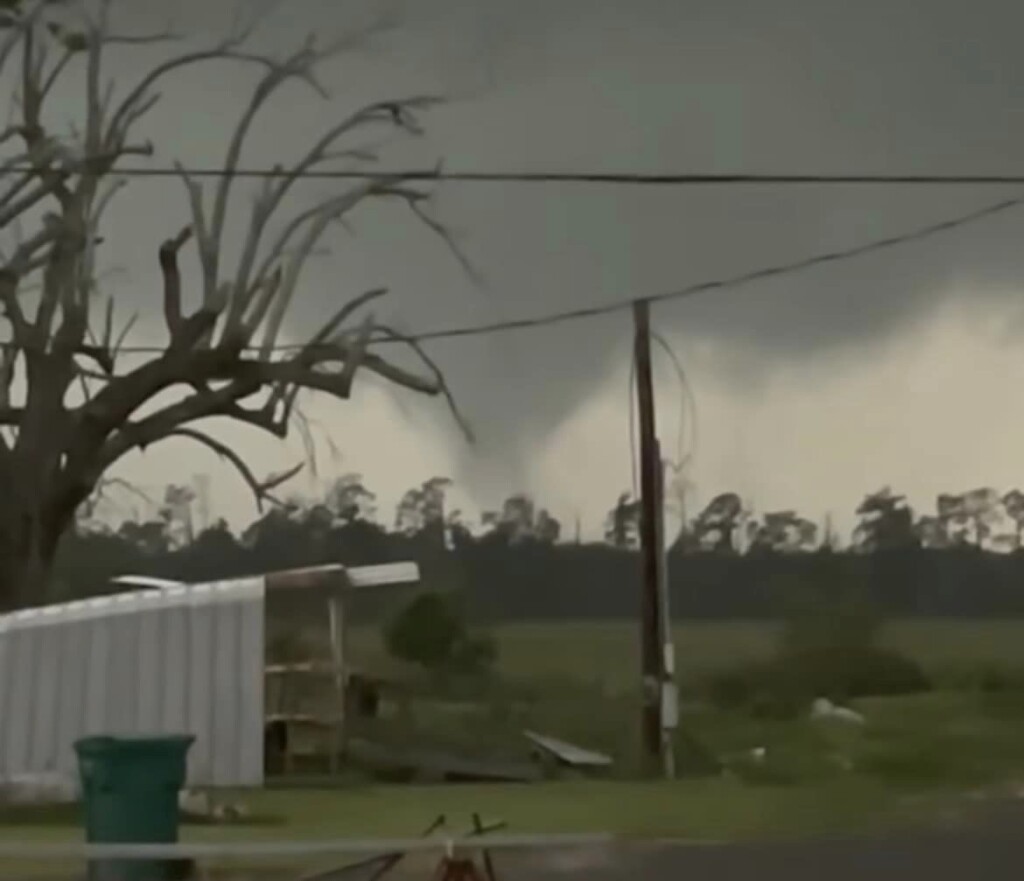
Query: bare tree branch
point(262, 489)
point(13, 312)
point(172, 280)
point(399, 114)
point(387, 333)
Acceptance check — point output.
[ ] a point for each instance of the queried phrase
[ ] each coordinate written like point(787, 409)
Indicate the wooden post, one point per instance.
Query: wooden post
point(336, 618)
point(650, 627)
point(667, 698)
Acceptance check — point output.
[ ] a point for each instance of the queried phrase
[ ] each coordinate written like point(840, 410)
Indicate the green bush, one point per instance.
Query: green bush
point(842, 672)
point(432, 632)
point(814, 620)
point(826, 648)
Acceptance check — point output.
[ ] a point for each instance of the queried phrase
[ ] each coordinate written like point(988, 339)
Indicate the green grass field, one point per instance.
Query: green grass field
point(608, 653)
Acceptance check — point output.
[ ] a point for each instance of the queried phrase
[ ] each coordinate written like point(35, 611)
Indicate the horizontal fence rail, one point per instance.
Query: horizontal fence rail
point(63, 851)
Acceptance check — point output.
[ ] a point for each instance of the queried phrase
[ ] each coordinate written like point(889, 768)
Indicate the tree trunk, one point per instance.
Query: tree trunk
point(27, 552)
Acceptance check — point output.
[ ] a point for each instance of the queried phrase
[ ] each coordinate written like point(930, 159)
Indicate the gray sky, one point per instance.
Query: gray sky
point(899, 368)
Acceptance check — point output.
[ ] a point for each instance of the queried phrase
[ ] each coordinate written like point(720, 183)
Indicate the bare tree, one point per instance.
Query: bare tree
point(77, 412)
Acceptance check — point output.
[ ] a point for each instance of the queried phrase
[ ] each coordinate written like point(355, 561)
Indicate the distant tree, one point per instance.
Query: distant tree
point(886, 523)
point(932, 532)
point(151, 537)
point(280, 537)
point(622, 525)
point(1013, 503)
point(349, 499)
point(520, 522)
point(717, 526)
point(784, 532)
point(971, 517)
point(177, 512)
point(423, 508)
point(457, 530)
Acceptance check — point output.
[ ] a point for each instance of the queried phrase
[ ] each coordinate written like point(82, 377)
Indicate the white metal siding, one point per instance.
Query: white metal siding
point(178, 660)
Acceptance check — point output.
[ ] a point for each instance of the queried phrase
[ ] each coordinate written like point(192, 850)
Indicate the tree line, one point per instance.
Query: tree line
point(726, 561)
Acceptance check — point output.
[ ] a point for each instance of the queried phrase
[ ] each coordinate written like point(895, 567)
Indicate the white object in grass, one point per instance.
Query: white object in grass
point(823, 708)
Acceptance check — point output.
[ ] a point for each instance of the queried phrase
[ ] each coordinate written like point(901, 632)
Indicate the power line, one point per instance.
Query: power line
point(571, 177)
point(729, 282)
point(734, 281)
point(688, 401)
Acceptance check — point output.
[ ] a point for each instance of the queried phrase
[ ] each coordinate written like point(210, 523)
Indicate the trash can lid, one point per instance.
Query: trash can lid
point(107, 742)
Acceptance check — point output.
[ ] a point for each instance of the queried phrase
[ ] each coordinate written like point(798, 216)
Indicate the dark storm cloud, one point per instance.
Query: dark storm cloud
point(798, 86)
point(664, 85)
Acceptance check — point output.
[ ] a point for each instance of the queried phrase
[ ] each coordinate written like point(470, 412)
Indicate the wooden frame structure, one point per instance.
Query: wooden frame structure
point(336, 582)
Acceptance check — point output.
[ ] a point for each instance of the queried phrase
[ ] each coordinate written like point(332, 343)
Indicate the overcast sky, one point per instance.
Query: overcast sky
point(900, 368)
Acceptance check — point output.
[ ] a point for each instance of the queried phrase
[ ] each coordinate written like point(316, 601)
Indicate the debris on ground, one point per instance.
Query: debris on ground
point(823, 708)
point(436, 765)
point(39, 788)
point(567, 753)
point(194, 805)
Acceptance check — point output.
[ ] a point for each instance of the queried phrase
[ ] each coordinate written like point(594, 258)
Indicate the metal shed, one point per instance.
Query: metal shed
point(170, 659)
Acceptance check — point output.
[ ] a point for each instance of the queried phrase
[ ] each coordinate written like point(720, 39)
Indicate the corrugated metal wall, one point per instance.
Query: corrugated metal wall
point(180, 660)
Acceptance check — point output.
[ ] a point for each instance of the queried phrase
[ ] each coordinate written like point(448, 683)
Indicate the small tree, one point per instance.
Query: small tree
point(717, 526)
point(1013, 504)
point(783, 532)
point(421, 511)
point(622, 526)
point(78, 414)
point(432, 633)
point(350, 500)
point(520, 522)
point(886, 523)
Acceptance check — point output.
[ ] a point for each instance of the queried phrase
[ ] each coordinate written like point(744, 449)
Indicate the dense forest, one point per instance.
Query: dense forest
point(965, 559)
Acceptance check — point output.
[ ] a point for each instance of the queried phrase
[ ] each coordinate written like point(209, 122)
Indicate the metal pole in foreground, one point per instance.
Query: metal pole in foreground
point(58, 851)
point(651, 651)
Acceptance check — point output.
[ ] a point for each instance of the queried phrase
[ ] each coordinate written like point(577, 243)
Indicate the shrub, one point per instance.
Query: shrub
point(814, 620)
point(841, 672)
point(432, 633)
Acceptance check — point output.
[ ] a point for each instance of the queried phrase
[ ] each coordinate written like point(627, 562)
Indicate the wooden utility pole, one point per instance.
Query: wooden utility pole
point(650, 465)
point(668, 708)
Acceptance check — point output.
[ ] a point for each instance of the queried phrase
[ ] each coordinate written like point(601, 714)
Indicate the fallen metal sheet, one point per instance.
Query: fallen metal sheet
point(567, 753)
point(146, 581)
point(440, 765)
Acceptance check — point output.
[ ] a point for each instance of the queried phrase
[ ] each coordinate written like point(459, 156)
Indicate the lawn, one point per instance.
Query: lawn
point(707, 809)
point(608, 652)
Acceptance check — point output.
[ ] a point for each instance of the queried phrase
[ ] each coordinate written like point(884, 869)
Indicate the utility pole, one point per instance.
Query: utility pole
point(669, 702)
point(650, 466)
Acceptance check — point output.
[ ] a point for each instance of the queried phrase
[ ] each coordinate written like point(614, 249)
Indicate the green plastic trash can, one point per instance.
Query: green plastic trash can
point(130, 788)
